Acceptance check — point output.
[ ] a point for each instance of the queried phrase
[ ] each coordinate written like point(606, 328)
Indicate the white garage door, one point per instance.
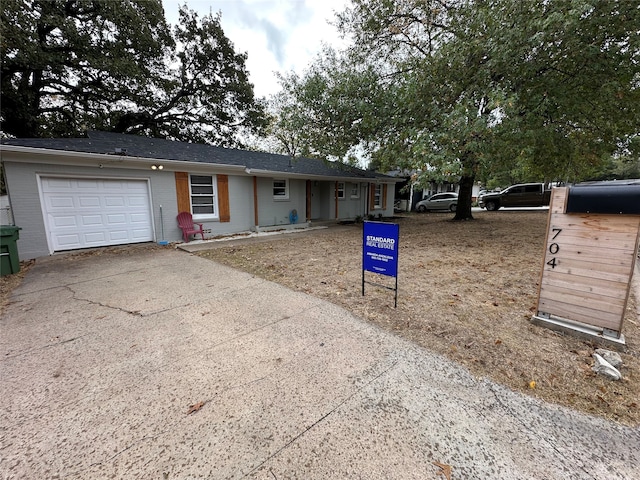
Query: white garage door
point(95, 212)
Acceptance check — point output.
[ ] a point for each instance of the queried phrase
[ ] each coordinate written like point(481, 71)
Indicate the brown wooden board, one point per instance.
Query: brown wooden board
point(587, 265)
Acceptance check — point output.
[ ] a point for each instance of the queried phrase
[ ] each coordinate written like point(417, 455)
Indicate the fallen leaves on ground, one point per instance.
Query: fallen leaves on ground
point(195, 407)
point(10, 282)
point(445, 469)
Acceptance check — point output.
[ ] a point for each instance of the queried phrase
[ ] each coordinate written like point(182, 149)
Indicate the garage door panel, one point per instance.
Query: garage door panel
point(84, 184)
point(140, 188)
point(137, 201)
point(118, 235)
point(91, 220)
point(115, 185)
point(57, 184)
point(140, 234)
point(85, 213)
point(118, 219)
point(61, 202)
point(60, 221)
point(115, 201)
point(138, 218)
point(88, 202)
point(95, 237)
point(67, 242)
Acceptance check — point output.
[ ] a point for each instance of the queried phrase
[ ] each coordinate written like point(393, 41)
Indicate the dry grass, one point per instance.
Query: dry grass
point(9, 282)
point(466, 290)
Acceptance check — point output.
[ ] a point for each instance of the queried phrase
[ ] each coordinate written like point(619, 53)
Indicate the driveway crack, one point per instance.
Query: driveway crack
point(49, 345)
point(136, 313)
point(80, 282)
point(321, 419)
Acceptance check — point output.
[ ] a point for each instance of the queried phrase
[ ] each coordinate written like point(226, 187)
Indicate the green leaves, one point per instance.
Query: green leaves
point(203, 95)
point(502, 90)
point(65, 62)
point(69, 66)
point(325, 112)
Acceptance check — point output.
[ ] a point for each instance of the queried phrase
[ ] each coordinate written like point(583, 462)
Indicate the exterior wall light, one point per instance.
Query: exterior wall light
point(156, 167)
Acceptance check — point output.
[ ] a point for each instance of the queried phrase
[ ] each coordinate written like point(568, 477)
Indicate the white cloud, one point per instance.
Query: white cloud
point(278, 35)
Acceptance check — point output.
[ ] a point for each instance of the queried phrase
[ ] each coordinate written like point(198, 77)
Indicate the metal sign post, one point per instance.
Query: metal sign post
point(380, 243)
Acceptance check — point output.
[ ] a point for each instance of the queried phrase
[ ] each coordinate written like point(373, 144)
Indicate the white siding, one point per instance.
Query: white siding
point(5, 211)
point(276, 211)
point(348, 208)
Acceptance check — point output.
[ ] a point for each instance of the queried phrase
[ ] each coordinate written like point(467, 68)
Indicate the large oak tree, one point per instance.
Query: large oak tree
point(72, 65)
point(470, 86)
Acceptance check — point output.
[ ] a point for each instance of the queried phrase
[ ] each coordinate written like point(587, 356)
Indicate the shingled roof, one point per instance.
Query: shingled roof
point(155, 148)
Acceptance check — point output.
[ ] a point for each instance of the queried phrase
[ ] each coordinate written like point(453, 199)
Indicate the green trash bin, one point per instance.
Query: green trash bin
point(9, 260)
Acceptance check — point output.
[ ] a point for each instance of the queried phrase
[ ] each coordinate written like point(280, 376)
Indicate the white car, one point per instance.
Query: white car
point(439, 201)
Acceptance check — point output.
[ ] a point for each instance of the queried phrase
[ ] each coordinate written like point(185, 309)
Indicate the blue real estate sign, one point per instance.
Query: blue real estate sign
point(380, 248)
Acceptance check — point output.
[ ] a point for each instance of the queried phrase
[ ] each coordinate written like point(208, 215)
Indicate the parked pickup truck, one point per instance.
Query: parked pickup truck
point(521, 195)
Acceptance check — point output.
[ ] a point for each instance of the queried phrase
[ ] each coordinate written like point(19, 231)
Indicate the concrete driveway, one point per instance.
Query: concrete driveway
point(103, 356)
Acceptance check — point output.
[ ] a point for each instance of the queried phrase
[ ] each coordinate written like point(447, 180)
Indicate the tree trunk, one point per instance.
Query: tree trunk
point(463, 212)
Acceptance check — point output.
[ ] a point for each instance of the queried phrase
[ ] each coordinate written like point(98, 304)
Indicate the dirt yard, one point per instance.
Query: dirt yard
point(467, 290)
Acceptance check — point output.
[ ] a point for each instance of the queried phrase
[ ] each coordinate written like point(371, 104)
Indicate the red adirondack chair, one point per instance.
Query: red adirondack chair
point(185, 222)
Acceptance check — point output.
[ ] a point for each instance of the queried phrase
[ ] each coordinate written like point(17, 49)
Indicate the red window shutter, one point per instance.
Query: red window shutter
point(223, 198)
point(384, 196)
point(182, 192)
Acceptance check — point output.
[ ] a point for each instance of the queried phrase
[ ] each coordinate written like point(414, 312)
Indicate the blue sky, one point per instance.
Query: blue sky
point(278, 35)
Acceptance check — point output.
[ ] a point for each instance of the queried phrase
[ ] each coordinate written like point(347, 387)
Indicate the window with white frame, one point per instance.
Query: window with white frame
point(340, 190)
point(355, 190)
point(377, 196)
point(203, 196)
point(280, 189)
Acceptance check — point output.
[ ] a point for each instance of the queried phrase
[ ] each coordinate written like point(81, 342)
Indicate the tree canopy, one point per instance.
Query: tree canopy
point(473, 87)
point(71, 65)
point(315, 115)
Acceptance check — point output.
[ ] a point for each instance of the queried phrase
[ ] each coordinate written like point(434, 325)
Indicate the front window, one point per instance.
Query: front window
point(203, 196)
point(280, 189)
point(377, 196)
point(340, 190)
point(355, 190)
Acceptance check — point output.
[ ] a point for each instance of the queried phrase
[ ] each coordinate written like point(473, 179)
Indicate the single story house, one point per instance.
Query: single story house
point(113, 189)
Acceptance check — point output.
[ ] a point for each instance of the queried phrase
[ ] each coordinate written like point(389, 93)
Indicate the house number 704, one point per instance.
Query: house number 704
point(554, 248)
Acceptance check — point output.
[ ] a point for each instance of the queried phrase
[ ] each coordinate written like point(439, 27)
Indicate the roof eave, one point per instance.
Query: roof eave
point(72, 157)
point(75, 158)
point(257, 172)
